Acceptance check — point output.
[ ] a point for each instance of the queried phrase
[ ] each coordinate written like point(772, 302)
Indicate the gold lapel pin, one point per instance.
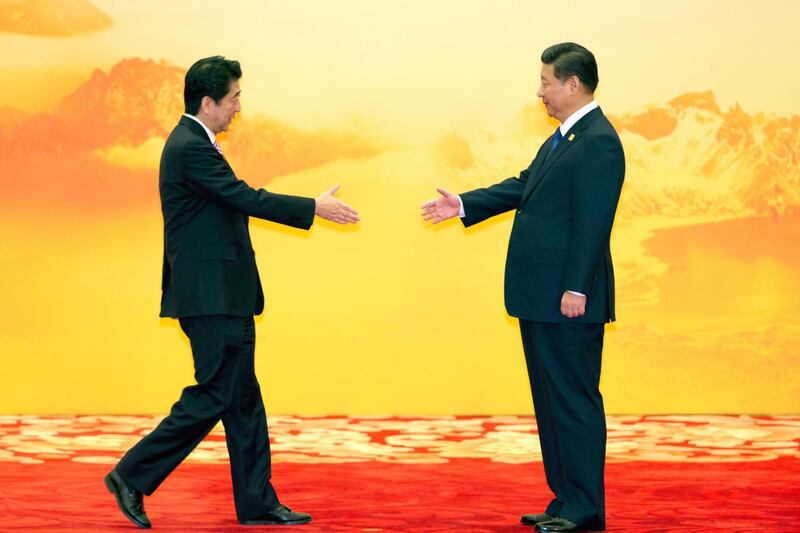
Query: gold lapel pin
point(571, 137)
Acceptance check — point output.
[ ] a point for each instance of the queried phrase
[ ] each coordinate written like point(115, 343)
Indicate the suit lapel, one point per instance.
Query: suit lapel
point(542, 158)
point(195, 128)
point(198, 130)
point(541, 168)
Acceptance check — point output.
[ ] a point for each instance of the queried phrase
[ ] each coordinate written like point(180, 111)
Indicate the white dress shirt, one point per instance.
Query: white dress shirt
point(576, 116)
point(211, 136)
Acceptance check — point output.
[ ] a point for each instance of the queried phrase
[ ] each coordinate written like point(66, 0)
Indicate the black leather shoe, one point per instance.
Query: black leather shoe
point(533, 519)
point(129, 499)
point(558, 525)
point(281, 515)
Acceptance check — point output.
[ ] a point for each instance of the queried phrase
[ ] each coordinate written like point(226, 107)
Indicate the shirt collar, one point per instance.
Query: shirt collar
point(211, 136)
point(576, 116)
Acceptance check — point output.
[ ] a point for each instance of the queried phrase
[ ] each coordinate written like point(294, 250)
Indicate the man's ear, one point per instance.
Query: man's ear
point(206, 103)
point(574, 84)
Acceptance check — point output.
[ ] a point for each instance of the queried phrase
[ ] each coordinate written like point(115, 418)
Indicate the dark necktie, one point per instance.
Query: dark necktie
point(556, 140)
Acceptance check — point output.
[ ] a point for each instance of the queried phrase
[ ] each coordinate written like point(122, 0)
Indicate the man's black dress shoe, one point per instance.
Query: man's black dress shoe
point(559, 525)
point(129, 499)
point(533, 519)
point(281, 515)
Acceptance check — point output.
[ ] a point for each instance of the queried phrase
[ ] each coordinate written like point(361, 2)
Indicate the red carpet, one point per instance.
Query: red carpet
point(413, 474)
point(463, 495)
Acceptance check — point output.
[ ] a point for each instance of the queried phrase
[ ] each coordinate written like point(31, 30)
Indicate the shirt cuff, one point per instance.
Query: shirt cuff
point(461, 212)
point(577, 293)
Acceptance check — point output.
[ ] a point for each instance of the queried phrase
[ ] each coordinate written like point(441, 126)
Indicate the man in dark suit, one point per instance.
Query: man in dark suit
point(559, 279)
point(211, 284)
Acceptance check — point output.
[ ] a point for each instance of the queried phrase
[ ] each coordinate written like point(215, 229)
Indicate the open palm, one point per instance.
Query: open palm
point(448, 205)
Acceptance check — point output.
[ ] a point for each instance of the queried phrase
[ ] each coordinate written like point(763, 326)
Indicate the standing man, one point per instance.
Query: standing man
point(210, 283)
point(560, 280)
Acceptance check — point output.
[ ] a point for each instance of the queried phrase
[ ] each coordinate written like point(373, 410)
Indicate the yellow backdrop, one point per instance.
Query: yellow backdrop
point(393, 99)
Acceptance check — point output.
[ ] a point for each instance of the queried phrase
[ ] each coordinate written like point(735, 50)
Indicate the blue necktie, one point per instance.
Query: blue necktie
point(556, 140)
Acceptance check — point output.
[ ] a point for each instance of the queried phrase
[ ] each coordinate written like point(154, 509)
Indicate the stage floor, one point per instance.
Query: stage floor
point(404, 474)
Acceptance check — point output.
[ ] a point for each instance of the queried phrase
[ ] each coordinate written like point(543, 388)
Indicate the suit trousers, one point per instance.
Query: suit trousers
point(223, 348)
point(564, 362)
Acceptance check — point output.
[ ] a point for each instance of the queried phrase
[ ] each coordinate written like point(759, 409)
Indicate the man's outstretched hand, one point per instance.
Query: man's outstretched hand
point(333, 209)
point(448, 205)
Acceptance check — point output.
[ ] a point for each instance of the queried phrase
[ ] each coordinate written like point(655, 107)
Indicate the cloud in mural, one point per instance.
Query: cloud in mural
point(51, 18)
point(454, 151)
point(143, 156)
point(260, 147)
point(102, 144)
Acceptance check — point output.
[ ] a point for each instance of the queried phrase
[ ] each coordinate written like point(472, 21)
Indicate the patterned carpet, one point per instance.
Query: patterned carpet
point(396, 474)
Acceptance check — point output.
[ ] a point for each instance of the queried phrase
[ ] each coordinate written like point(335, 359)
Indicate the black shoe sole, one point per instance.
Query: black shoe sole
point(274, 523)
point(112, 490)
point(578, 530)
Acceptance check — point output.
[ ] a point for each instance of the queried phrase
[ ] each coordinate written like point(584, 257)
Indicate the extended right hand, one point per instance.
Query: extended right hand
point(333, 209)
point(448, 205)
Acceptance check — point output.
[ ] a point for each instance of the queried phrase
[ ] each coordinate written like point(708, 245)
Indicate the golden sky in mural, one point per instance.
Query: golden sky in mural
point(411, 64)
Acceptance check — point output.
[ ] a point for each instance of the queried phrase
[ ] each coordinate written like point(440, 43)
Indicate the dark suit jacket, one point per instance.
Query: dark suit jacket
point(565, 205)
point(209, 265)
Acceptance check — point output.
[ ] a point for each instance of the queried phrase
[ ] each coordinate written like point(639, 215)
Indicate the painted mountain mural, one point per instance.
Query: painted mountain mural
point(100, 148)
point(689, 157)
point(686, 158)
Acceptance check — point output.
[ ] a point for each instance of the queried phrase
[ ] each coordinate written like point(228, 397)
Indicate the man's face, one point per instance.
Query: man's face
point(221, 114)
point(555, 94)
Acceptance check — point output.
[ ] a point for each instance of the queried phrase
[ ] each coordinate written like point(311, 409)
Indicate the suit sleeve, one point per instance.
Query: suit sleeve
point(212, 178)
point(596, 187)
point(481, 204)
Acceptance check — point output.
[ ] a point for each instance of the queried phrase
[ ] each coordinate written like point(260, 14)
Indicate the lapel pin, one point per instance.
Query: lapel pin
point(571, 137)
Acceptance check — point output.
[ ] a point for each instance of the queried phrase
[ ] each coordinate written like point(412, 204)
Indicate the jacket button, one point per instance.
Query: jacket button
point(519, 211)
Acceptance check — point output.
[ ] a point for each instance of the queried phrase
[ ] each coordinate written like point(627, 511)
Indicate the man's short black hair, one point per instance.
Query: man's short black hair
point(210, 76)
point(570, 59)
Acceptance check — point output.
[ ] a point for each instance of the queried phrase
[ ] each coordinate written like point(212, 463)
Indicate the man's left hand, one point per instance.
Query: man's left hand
point(573, 305)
